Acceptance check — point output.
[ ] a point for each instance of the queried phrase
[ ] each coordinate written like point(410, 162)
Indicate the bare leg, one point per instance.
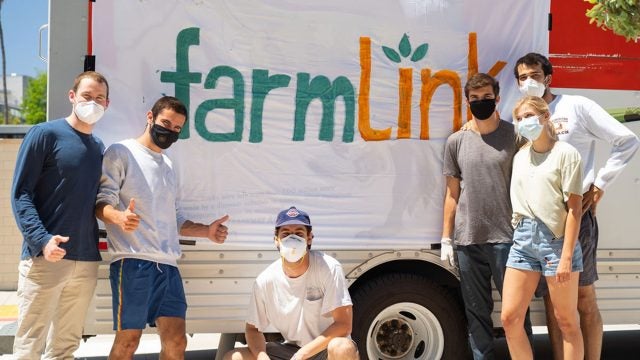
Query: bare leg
point(239, 354)
point(173, 338)
point(555, 335)
point(564, 297)
point(341, 348)
point(125, 344)
point(519, 286)
point(590, 322)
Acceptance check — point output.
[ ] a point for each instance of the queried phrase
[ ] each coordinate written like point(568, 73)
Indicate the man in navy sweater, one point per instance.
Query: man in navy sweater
point(53, 197)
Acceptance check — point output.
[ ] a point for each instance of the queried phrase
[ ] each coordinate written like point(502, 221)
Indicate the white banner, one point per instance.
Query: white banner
point(338, 107)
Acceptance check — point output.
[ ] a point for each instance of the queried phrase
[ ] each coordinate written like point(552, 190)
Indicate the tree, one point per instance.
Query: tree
point(34, 103)
point(4, 71)
point(620, 16)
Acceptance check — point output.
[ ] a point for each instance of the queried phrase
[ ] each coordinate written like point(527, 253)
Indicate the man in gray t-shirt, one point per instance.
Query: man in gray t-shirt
point(477, 207)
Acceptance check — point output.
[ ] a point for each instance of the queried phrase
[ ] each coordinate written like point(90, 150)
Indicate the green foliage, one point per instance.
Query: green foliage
point(620, 16)
point(404, 49)
point(34, 104)
point(13, 120)
point(625, 114)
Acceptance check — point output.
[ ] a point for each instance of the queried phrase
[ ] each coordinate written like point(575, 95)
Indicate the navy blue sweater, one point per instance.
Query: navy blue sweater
point(54, 189)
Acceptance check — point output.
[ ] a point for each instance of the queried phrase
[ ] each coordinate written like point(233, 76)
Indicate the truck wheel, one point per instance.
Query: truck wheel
point(407, 316)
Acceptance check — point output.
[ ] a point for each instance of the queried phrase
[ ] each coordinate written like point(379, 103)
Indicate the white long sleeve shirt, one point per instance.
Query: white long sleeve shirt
point(580, 121)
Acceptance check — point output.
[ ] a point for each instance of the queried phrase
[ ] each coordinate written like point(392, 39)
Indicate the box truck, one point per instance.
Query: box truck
point(340, 108)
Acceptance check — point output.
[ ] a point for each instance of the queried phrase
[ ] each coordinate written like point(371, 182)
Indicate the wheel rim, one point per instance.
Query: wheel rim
point(405, 331)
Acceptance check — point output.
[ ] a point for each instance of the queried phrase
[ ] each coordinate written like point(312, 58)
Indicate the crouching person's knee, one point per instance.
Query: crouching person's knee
point(342, 348)
point(237, 354)
point(229, 355)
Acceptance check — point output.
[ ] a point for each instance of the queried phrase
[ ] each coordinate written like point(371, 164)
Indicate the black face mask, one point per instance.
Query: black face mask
point(483, 109)
point(162, 136)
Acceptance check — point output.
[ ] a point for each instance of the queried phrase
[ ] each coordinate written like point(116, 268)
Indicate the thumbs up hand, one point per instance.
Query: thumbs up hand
point(129, 220)
point(218, 231)
point(52, 252)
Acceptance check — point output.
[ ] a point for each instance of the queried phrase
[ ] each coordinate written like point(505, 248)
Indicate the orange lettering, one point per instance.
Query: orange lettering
point(429, 86)
point(364, 121)
point(473, 63)
point(405, 91)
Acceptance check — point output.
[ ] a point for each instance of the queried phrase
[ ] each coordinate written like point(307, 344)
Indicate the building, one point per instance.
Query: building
point(16, 88)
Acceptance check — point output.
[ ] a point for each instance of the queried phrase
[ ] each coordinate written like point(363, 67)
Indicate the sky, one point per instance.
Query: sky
point(21, 20)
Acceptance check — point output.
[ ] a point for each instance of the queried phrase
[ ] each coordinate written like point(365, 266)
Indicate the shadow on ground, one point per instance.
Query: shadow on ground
point(189, 355)
point(617, 345)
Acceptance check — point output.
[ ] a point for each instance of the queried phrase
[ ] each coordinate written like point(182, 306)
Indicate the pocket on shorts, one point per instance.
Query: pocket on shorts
point(138, 278)
point(521, 237)
point(547, 233)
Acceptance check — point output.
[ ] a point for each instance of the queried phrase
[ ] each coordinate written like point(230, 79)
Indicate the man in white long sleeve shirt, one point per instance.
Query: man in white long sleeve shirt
point(580, 122)
point(137, 202)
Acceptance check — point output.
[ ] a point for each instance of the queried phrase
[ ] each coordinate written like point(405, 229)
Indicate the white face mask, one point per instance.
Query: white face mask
point(293, 248)
point(531, 87)
point(89, 112)
point(530, 127)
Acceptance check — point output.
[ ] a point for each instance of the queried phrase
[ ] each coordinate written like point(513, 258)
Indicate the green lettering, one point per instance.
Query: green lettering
point(236, 103)
point(182, 78)
point(262, 84)
point(321, 88)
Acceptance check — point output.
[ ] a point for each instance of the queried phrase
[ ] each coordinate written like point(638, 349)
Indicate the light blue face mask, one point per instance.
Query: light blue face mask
point(530, 127)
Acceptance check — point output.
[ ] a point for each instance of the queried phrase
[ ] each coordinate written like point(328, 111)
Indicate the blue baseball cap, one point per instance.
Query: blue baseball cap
point(292, 216)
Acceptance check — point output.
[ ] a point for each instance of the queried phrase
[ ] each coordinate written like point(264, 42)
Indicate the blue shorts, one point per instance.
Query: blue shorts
point(536, 249)
point(143, 291)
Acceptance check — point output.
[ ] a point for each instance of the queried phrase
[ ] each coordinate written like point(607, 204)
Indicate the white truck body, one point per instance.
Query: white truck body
point(300, 104)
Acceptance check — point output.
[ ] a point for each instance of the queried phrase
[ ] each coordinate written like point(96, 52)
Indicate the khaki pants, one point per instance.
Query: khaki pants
point(53, 299)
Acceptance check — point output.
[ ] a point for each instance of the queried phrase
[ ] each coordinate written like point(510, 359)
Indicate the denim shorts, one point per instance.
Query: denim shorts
point(536, 249)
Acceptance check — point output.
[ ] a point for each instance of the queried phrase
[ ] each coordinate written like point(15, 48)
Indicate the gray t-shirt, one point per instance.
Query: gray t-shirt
point(483, 163)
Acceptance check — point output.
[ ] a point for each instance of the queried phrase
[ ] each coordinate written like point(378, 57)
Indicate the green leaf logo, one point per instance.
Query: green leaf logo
point(391, 54)
point(404, 46)
point(404, 50)
point(420, 52)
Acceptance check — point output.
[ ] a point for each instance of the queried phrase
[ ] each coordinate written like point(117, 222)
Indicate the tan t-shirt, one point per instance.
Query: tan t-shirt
point(541, 184)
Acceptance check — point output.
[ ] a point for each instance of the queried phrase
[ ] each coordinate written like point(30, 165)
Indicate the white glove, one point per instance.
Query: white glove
point(446, 250)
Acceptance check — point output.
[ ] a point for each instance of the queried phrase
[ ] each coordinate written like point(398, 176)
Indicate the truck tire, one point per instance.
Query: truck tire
point(407, 316)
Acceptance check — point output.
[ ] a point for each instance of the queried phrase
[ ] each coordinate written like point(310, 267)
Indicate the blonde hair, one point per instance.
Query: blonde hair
point(537, 103)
